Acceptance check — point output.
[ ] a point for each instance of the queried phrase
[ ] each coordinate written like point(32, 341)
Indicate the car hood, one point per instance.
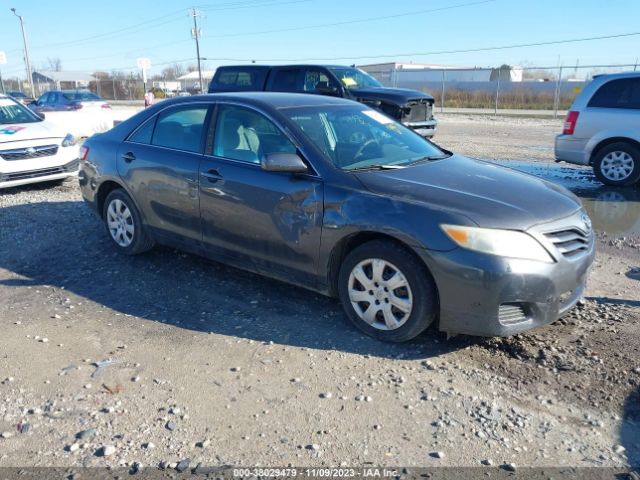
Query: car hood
point(397, 95)
point(490, 195)
point(29, 131)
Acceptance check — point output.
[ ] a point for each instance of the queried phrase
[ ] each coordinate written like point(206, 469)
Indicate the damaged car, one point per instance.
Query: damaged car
point(331, 195)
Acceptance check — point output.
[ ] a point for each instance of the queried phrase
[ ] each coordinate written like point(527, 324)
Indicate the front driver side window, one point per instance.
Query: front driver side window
point(245, 135)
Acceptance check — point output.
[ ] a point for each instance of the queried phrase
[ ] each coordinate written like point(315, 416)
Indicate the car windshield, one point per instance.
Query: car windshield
point(12, 112)
point(352, 78)
point(82, 96)
point(358, 138)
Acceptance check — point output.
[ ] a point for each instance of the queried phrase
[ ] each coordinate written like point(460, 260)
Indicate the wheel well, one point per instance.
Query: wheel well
point(346, 245)
point(609, 141)
point(105, 189)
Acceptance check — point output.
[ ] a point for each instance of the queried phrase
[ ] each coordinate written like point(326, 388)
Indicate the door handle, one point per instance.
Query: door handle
point(213, 175)
point(128, 157)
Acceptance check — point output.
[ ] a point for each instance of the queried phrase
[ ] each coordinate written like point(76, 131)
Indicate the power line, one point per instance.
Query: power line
point(439, 52)
point(351, 22)
point(248, 4)
point(107, 35)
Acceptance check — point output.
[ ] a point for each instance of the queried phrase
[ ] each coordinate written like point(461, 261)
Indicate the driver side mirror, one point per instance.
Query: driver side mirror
point(283, 162)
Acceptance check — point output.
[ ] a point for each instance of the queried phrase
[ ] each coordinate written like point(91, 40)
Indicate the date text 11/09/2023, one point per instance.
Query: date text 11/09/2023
point(326, 472)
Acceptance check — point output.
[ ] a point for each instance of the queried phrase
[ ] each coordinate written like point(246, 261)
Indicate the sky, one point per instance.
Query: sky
point(106, 36)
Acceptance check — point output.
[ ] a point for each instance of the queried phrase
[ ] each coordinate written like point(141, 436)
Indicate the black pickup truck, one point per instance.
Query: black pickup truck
point(414, 109)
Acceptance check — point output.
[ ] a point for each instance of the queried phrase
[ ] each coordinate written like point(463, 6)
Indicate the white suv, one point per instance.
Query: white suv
point(32, 149)
point(603, 129)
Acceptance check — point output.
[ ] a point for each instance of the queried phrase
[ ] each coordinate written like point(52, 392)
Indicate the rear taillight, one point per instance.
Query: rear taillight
point(84, 151)
point(73, 106)
point(106, 105)
point(570, 122)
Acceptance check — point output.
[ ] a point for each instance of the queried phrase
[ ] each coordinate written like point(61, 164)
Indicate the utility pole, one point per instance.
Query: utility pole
point(195, 33)
point(26, 53)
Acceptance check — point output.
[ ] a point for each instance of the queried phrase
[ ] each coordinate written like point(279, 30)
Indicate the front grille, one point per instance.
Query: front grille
point(569, 242)
point(29, 152)
point(511, 313)
point(420, 111)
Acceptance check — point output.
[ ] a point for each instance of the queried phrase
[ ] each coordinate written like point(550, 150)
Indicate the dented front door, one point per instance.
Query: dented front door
point(263, 221)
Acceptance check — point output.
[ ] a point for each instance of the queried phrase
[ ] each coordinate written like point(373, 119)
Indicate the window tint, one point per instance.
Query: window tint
point(285, 80)
point(239, 79)
point(242, 134)
point(180, 128)
point(621, 93)
point(144, 133)
point(314, 79)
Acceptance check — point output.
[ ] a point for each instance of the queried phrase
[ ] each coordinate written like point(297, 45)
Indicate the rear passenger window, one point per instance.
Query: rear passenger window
point(144, 133)
point(180, 128)
point(285, 80)
point(620, 93)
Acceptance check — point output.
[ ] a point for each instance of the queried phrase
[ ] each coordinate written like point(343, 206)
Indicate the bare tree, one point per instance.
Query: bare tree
point(172, 72)
point(54, 64)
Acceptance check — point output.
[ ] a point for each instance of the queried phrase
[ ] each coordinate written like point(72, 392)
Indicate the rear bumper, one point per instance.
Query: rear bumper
point(425, 129)
point(488, 295)
point(571, 150)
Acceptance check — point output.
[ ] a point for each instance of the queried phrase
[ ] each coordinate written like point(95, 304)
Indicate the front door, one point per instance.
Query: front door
point(159, 163)
point(269, 222)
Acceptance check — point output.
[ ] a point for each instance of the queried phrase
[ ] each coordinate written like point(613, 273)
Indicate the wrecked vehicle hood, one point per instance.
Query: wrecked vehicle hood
point(399, 96)
point(490, 195)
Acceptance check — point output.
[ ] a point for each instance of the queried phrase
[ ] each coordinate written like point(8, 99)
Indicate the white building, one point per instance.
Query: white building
point(190, 82)
point(397, 74)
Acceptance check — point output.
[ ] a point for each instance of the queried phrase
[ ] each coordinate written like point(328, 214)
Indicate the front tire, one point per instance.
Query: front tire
point(124, 225)
point(386, 292)
point(617, 164)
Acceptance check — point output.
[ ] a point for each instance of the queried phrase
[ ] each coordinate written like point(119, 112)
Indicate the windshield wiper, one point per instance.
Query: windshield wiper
point(375, 167)
point(428, 159)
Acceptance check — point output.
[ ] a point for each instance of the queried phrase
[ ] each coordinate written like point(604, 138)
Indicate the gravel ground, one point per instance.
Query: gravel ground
point(218, 366)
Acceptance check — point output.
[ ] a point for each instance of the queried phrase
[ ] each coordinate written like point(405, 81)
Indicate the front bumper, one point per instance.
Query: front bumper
point(15, 179)
point(425, 129)
point(488, 295)
point(570, 149)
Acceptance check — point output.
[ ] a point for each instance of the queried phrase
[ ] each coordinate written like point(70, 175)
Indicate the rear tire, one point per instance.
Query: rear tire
point(617, 164)
point(386, 292)
point(124, 224)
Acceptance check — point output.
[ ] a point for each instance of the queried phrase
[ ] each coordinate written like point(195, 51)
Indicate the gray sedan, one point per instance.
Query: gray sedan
point(328, 194)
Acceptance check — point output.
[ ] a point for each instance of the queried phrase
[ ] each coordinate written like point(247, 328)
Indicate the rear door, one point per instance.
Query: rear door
point(159, 163)
point(265, 221)
point(614, 106)
point(285, 79)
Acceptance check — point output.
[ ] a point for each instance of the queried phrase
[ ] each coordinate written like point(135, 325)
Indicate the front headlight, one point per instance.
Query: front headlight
point(69, 141)
point(505, 243)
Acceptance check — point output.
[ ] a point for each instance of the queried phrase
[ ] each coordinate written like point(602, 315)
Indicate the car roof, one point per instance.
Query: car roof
point(275, 100)
point(609, 76)
point(297, 65)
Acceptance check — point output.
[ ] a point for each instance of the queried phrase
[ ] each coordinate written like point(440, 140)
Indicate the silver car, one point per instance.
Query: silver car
point(602, 129)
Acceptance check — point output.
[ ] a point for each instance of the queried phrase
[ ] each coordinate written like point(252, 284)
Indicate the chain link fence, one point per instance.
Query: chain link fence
point(504, 89)
point(549, 90)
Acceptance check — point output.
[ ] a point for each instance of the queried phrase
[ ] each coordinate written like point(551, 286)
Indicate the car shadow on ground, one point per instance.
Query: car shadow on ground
point(64, 245)
point(615, 301)
point(629, 429)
